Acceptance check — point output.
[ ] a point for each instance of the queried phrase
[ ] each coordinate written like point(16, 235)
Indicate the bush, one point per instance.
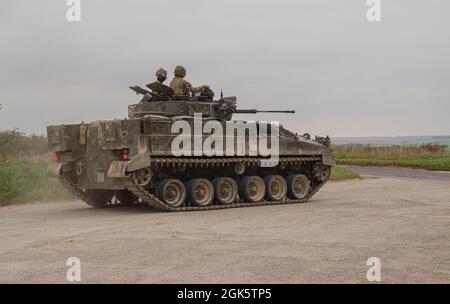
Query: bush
point(23, 170)
point(28, 182)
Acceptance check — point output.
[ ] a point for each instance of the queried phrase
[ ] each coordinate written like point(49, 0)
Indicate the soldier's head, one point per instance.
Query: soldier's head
point(161, 75)
point(179, 71)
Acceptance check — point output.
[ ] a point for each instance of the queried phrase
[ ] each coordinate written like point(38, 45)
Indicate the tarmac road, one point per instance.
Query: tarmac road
point(405, 222)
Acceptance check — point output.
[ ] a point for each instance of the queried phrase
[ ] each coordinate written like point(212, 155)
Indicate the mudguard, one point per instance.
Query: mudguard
point(118, 169)
point(139, 161)
point(328, 159)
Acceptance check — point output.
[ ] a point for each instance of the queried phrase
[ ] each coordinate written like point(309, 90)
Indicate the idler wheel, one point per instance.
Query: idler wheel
point(143, 177)
point(225, 189)
point(252, 189)
point(200, 192)
point(99, 198)
point(276, 187)
point(172, 192)
point(298, 186)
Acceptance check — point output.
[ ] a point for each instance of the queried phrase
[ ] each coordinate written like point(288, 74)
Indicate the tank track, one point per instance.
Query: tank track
point(77, 192)
point(224, 161)
point(152, 201)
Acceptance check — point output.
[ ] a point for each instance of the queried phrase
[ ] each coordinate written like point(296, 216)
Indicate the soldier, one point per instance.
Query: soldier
point(161, 75)
point(158, 86)
point(181, 86)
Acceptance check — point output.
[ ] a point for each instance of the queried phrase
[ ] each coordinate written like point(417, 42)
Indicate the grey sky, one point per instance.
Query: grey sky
point(343, 75)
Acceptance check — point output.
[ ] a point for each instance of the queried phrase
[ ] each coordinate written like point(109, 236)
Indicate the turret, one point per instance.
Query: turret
point(171, 106)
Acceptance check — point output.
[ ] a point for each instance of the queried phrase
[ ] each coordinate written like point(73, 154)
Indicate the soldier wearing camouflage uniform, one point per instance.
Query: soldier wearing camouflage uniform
point(161, 75)
point(158, 86)
point(181, 86)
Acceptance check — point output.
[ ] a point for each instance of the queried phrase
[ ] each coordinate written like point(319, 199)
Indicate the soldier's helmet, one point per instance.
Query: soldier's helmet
point(161, 73)
point(179, 71)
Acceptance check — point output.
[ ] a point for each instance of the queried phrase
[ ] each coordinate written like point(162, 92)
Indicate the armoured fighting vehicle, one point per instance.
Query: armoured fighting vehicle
point(131, 161)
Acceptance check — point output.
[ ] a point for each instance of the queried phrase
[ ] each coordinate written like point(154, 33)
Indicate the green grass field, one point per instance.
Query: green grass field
point(340, 173)
point(430, 157)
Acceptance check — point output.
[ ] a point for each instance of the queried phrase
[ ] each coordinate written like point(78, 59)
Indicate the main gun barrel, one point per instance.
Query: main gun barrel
point(254, 111)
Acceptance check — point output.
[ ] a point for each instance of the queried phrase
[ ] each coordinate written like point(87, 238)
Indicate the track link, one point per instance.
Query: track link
point(153, 201)
point(190, 162)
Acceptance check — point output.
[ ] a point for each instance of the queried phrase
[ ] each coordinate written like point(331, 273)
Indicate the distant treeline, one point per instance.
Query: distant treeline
point(397, 151)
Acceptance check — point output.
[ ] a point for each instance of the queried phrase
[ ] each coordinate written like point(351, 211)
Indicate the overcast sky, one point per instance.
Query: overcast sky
point(343, 75)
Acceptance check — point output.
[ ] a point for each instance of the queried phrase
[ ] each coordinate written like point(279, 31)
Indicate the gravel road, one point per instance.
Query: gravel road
point(405, 222)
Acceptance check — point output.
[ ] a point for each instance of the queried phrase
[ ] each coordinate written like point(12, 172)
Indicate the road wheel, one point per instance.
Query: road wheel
point(252, 189)
point(225, 189)
point(200, 192)
point(99, 198)
point(276, 187)
point(172, 192)
point(126, 198)
point(298, 186)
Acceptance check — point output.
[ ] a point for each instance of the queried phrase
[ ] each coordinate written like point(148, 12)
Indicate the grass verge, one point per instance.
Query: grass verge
point(340, 173)
point(436, 163)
